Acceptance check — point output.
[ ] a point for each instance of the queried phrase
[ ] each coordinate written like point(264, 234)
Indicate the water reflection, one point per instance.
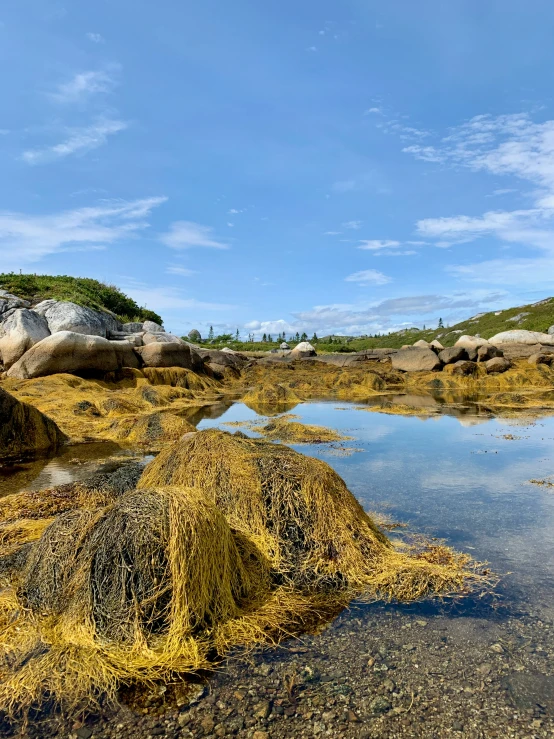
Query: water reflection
point(70, 464)
point(450, 480)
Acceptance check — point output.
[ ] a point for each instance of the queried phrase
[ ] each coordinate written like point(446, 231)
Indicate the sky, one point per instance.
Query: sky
point(343, 167)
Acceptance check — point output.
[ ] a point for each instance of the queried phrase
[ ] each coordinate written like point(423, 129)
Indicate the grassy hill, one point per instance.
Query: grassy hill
point(80, 290)
point(534, 317)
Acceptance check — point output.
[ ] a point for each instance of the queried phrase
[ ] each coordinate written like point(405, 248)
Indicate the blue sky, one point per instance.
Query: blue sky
point(348, 166)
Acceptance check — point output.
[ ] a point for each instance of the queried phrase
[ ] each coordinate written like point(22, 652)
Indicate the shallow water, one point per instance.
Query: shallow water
point(453, 477)
point(70, 464)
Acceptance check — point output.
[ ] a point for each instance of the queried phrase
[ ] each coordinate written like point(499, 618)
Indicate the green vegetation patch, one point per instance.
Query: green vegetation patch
point(81, 290)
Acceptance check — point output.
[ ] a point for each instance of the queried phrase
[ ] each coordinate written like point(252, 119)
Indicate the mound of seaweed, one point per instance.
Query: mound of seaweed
point(228, 541)
point(271, 398)
point(24, 429)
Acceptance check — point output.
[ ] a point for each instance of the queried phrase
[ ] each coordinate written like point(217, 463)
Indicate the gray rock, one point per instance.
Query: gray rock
point(126, 356)
point(132, 328)
point(519, 336)
point(519, 317)
point(471, 342)
point(496, 365)
point(520, 351)
point(540, 358)
point(551, 330)
point(21, 330)
point(195, 335)
point(66, 351)
point(379, 705)
point(415, 359)
point(527, 689)
point(225, 359)
point(161, 337)
point(9, 302)
point(452, 354)
point(284, 346)
point(67, 316)
point(436, 345)
point(422, 344)
point(304, 349)
point(488, 351)
point(152, 327)
point(170, 355)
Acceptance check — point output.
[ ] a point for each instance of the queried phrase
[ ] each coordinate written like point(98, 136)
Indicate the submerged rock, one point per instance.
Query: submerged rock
point(24, 429)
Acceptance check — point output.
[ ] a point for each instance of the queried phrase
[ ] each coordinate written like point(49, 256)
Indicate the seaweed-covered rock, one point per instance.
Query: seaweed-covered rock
point(21, 330)
point(464, 368)
point(66, 351)
point(24, 429)
point(488, 351)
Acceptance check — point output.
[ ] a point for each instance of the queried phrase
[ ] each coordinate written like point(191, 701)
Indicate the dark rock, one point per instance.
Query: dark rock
point(540, 358)
point(488, 351)
point(464, 367)
point(452, 354)
point(379, 705)
point(528, 690)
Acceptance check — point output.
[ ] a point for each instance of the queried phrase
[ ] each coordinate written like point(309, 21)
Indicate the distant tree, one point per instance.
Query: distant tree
point(424, 327)
point(264, 338)
point(237, 336)
point(304, 336)
point(211, 334)
point(297, 337)
point(269, 339)
point(291, 339)
point(314, 337)
point(441, 324)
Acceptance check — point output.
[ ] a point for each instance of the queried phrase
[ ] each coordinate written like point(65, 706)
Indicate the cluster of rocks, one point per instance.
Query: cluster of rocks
point(56, 336)
point(495, 354)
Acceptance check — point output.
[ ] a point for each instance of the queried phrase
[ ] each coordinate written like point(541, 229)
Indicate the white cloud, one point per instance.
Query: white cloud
point(4, 131)
point(235, 211)
point(376, 111)
point(355, 225)
point(311, 48)
point(368, 277)
point(25, 239)
point(378, 244)
point(425, 153)
point(85, 84)
point(187, 234)
point(175, 269)
point(332, 233)
point(230, 225)
point(80, 140)
point(96, 38)
point(166, 298)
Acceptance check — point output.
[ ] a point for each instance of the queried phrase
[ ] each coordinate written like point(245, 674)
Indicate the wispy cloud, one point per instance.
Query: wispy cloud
point(26, 239)
point(79, 141)
point(235, 211)
point(164, 298)
point(96, 38)
point(187, 234)
point(368, 277)
point(85, 84)
point(176, 269)
point(332, 233)
point(378, 244)
point(354, 225)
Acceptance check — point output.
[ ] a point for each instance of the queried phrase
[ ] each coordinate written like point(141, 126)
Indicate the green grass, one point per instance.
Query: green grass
point(81, 290)
point(540, 317)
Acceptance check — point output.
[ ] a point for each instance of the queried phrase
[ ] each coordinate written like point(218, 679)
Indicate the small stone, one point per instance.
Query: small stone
point(389, 685)
point(457, 726)
point(485, 668)
point(260, 735)
point(207, 724)
point(421, 623)
point(84, 732)
point(498, 648)
point(262, 710)
point(183, 719)
point(240, 695)
point(352, 717)
point(379, 705)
